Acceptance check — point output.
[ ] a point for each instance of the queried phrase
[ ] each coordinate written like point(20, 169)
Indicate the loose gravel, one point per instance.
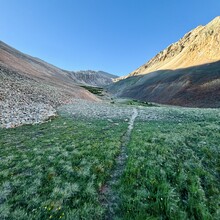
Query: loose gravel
point(26, 101)
point(97, 110)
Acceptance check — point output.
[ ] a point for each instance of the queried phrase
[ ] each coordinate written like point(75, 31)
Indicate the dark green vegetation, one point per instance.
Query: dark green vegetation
point(173, 170)
point(95, 90)
point(56, 170)
point(135, 102)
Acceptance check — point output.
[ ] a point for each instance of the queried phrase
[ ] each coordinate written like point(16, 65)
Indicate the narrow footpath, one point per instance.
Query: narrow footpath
point(109, 197)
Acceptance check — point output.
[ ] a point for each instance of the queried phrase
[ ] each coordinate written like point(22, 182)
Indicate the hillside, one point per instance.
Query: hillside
point(197, 47)
point(187, 73)
point(197, 86)
point(93, 78)
point(34, 67)
point(31, 89)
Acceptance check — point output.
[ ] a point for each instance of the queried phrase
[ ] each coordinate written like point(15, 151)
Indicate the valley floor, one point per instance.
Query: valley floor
point(113, 161)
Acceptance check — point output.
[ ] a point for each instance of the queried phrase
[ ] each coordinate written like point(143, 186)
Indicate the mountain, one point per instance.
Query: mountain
point(40, 71)
point(199, 46)
point(93, 78)
point(14, 59)
point(31, 89)
point(187, 73)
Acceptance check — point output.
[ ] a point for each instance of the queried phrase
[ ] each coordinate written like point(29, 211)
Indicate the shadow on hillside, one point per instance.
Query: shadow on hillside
point(196, 86)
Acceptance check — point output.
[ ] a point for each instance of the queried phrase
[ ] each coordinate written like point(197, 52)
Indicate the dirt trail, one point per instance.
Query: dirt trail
point(109, 197)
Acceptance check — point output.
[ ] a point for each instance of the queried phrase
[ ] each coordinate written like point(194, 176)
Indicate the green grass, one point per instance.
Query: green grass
point(173, 170)
point(95, 90)
point(55, 170)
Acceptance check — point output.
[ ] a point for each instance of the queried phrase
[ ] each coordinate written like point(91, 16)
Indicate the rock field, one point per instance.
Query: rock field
point(101, 110)
point(26, 101)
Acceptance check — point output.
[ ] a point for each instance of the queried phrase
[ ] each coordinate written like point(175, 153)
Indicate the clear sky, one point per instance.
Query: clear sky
point(116, 36)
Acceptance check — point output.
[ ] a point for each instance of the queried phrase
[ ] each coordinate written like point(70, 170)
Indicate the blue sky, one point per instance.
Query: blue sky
point(116, 36)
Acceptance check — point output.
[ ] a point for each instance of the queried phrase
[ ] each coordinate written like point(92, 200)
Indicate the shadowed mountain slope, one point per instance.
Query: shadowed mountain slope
point(197, 86)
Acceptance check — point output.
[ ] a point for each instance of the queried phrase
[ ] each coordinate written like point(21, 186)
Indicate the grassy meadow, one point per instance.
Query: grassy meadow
point(173, 168)
point(57, 170)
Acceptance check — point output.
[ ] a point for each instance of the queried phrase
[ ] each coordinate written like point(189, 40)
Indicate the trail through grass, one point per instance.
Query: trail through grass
point(109, 196)
point(57, 169)
point(173, 170)
point(168, 167)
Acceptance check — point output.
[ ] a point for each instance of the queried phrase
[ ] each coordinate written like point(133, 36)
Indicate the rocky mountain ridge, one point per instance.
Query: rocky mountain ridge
point(93, 78)
point(18, 61)
point(197, 47)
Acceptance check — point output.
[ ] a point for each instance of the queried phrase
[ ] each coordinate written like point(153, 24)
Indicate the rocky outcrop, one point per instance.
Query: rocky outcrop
point(199, 46)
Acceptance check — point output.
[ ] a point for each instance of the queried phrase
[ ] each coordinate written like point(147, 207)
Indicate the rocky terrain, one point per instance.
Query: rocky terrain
point(119, 111)
point(31, 89)
point(93, 78)
point(104, 110)
point(197, 47)
point(25, 100)
point(184, 74)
